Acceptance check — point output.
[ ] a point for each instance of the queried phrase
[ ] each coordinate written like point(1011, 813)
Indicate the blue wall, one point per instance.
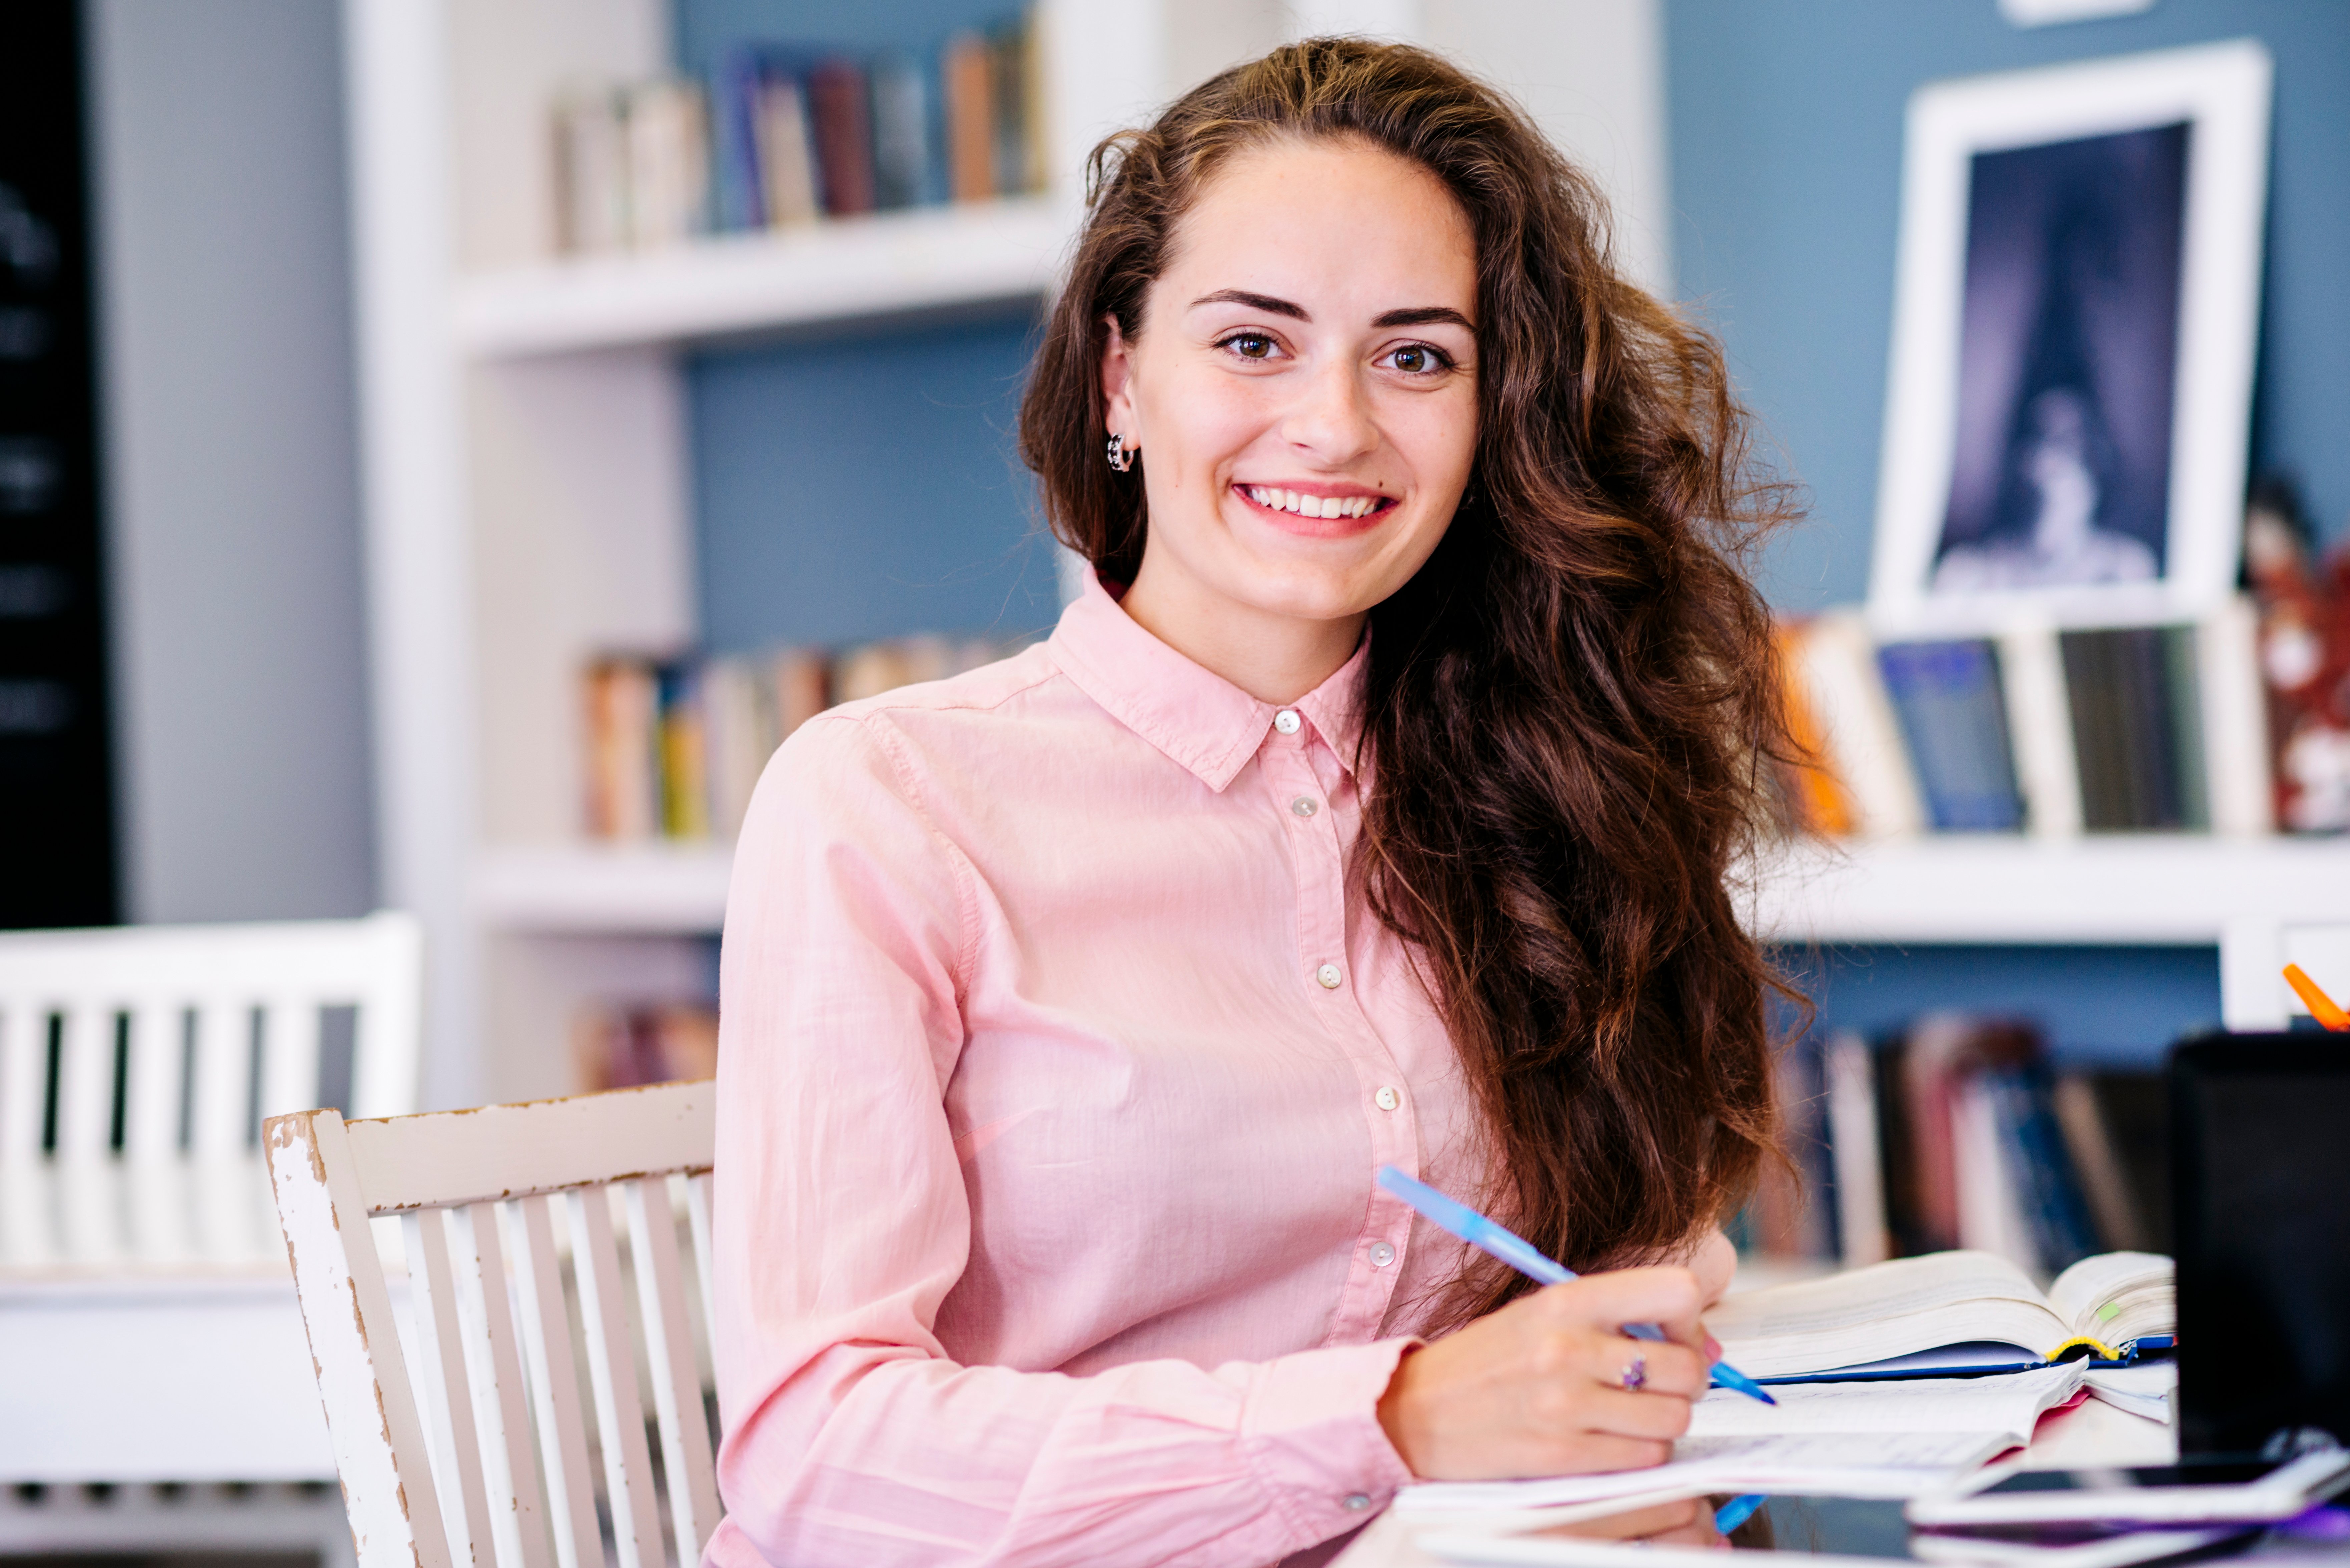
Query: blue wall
point(862, 487)
point(1785, 128)
point(2092, 1003)
point(1785, 131)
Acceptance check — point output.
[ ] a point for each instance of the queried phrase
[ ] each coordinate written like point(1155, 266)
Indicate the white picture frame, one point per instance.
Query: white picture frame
point(1946, 561)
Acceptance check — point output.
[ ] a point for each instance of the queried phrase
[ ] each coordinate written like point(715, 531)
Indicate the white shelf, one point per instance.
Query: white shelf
point(1994, 889)
point(652, 889)
point(859, 268)
point(1959, 888)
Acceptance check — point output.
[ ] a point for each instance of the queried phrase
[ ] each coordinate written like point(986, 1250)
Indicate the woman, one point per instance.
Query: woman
point(1371, 807)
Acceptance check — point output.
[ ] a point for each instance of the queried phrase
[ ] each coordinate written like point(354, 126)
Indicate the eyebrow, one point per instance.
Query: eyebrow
point(1419, 316)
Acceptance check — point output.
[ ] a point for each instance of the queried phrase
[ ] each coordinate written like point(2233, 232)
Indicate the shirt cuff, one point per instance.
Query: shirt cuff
point(1310, 1429)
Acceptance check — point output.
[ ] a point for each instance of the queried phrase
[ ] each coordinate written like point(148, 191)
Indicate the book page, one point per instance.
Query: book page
point(1888, 1309)
point(2009, 1403)
point(1844, 1464)
point(2115, 1296)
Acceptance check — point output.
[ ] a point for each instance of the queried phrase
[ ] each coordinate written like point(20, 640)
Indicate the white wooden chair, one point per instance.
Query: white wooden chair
point(147, 1322)
point(452, 1381)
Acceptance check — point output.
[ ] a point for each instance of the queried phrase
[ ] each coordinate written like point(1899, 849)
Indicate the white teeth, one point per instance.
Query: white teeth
point(1313, 505)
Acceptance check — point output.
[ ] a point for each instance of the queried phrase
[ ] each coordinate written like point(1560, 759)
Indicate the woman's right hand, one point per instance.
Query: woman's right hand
point(1538, 1388)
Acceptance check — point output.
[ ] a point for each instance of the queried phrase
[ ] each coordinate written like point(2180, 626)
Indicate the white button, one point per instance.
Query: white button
point(1381, 1254)
point(1329, 976)
point(1303, 805)
point(1287, 720)
point(1356, 1502)
point(1387, 1099)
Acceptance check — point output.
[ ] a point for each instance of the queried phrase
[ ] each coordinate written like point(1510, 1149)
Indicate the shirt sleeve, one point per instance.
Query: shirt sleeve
point(842, 1221)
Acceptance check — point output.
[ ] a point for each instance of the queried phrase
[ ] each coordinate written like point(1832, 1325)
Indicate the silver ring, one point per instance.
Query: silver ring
point(1635, 1376)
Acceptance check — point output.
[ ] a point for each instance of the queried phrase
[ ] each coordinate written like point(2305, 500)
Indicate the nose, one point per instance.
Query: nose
point(1330, 422)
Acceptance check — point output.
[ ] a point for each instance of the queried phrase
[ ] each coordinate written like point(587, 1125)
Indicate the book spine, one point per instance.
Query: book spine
point(1837, 671)
point(2082, 1124)
point(1991, 1216)
point(844, 137)
point(970, 94)
point(1952, 715)
point(2234, 706)
point(739, 182)
point(902, 117)
point(2097, 738)
point(684, 761)
point(2032, 670)
point(1862, 1236)
point(2181, 681)
point(786, 150)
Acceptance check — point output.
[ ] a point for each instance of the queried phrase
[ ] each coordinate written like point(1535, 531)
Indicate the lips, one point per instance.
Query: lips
point(1319, 513)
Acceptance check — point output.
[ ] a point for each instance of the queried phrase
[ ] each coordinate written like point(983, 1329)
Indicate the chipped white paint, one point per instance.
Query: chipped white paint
point(442, 1462)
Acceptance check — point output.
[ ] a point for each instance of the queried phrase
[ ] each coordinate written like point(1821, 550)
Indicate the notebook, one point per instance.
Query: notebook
point(1948, 1314)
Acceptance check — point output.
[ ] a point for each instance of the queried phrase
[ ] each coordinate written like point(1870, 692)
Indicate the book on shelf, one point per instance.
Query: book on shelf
point(2056, 732)
point(628, 1045)
point(1955, 1132)
point(673, 746)
point(786, 132)
point(1949, 1314)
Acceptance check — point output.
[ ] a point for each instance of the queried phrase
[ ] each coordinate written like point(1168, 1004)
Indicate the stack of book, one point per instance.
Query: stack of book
point(674, 746)
point(1956, 1133)
point(2112, 729)
point(786, 134)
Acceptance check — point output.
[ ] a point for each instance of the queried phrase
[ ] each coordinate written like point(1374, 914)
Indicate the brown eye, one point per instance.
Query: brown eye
point(1411, 361)
point(1250, 345)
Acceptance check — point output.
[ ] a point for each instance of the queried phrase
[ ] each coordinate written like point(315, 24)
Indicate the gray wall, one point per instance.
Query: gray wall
point(232, 502)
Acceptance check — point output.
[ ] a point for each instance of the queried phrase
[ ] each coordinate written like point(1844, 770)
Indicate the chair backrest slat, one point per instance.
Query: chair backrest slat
point(677, 1384)
point(555, 1387)
point(151, 1097)
point(697, 1207)
point(157, 1063)
point(491, 1406)
point(500, 1406)
point(612, 1373)
point(449, 1408)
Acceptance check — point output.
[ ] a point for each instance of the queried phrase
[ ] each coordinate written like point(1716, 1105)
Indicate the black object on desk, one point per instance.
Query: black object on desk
point(2260, 1199)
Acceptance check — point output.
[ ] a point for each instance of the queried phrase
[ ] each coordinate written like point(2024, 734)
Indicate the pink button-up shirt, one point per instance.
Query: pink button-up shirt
point(1055, 1066)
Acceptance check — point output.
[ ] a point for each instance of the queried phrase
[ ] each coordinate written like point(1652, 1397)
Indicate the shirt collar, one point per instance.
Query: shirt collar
point(1197, 717)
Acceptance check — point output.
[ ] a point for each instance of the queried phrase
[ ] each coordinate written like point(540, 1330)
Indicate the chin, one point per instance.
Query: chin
point(1286, 588)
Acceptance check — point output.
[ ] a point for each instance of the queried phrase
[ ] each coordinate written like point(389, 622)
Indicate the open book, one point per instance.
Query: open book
point(1947, 1313)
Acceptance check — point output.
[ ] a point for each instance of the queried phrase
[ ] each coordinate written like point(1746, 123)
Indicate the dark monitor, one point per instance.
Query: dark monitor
point(2260, 1200)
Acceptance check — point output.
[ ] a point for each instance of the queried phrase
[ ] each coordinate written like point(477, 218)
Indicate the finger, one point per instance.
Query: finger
point(1644, 1364)
point(1657, 1417)
point(1668, 1295)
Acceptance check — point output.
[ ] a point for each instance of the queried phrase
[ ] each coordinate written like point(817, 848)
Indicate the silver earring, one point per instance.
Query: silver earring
point(1120, 458)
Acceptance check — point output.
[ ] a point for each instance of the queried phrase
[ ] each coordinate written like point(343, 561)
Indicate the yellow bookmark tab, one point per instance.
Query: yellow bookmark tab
point(2103, 1351)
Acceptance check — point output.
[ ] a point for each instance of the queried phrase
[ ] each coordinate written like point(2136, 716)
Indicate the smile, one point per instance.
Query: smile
point(1305, 505)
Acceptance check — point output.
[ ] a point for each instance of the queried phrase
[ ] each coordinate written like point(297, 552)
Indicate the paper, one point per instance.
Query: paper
point(1839, 1464)
point(2009, 1402)
point(1888, 1309)
point(2142, 1390)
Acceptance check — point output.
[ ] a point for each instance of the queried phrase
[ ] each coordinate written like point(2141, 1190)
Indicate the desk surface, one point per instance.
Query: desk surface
point(2092, 1432)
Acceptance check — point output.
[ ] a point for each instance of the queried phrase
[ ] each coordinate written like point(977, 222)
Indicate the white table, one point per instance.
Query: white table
point(2092, 1432)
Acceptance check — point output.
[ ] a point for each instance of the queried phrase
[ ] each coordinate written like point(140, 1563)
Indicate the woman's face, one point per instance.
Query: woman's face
point(1304, 388)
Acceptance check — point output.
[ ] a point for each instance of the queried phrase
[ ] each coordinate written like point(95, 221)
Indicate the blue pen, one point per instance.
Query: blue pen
point(1500, 1242)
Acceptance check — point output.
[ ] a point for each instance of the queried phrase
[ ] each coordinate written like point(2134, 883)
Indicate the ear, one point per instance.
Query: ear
point(1118, 385)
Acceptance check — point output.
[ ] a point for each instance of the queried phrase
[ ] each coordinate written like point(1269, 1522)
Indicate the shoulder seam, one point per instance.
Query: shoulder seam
point(966, 960)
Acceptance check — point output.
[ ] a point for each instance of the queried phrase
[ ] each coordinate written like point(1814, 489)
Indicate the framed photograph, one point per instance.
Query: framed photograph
point(2070, 393)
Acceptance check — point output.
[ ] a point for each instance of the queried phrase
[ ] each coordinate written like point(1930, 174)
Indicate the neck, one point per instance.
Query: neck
point(1273, 658)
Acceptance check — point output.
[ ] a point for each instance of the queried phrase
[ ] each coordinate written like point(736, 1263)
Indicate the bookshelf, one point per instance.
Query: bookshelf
point(528, 466)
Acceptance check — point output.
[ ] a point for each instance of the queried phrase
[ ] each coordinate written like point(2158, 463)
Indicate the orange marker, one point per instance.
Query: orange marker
point(2320, 1006)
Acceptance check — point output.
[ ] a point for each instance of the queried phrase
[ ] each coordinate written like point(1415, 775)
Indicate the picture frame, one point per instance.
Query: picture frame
point(2068, 400)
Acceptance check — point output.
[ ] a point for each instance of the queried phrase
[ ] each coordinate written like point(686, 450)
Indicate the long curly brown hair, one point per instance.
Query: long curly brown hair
point(1571, 710)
